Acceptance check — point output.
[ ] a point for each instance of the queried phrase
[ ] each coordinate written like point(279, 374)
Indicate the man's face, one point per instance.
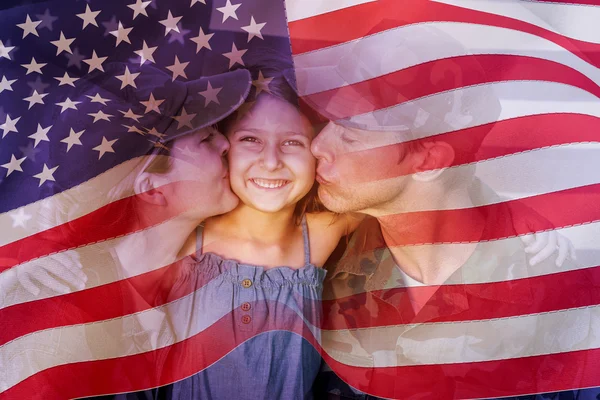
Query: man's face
point(360, 171)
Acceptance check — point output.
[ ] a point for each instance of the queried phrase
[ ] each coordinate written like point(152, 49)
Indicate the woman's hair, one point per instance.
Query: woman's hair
point(273, 64)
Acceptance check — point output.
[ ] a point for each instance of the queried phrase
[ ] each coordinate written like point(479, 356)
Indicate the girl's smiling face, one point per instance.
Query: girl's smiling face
point(271, 166)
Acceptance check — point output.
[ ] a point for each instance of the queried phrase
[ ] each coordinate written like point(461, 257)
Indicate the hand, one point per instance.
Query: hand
point(544, 244)
point(54, 272)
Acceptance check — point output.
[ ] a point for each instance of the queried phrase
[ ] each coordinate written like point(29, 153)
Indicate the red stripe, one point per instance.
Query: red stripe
point(512, 377)
point(462, 303)
point(159, 367)
point(440, 76)
point(115, 219)
point(474, 144)
point(367, 19)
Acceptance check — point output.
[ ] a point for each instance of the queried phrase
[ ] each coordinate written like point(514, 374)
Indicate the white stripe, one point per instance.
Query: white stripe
point(70, 204)
point(301, 9)
point(478, 105)
point(411, 45)
point(471, 341)
point(132, 334)
point(576, 21)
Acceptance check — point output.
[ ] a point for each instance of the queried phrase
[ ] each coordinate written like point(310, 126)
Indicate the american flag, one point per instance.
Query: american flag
point(88, 90)
point(521, 80)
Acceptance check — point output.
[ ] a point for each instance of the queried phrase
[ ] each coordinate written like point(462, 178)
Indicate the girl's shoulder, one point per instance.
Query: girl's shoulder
point(325, 231)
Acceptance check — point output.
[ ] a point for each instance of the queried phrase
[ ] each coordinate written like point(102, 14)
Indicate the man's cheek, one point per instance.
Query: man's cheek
point(372, 165)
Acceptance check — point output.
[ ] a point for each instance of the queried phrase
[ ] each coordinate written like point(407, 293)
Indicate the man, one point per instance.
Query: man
point(436, 296)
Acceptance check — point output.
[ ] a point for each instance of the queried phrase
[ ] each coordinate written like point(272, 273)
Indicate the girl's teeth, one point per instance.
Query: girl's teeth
point(269, 184)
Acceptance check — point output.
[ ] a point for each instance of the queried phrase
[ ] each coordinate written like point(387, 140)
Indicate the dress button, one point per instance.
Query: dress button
point(246, 307)
point(246, 283)
point(246, 319)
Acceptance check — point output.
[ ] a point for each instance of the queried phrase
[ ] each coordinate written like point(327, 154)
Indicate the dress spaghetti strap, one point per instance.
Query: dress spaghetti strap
point(306, 240)
point(199, 232)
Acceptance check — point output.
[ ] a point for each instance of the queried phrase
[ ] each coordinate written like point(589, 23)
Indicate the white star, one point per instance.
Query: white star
point(19, 218)
point(235, 56)
point(33, 66)
point(197, 1)
point(47, 174)
point(73, 139)
point(130, 114)
point(229, 10)
point(178, 68)
point(122, 34)
point(66, 80)
point(170, 23)
point(135, 129)
point(202, 40)
point(41, 135)
point(29, 27)
point(10, 125)
point(4, 50)
point(210, 94)
point(5, 84)
point(262, 83)
point(184, 119)
point(254, 29)
point(35, 98)
point(88, 17)
point(156, 133)
point(95, 62)
point(152, 104)
point(139, 8)
point(100, 115)
point(67, 104)
point(13, 165)
point(97, 99)
point(105, 147)
point(146, 53)
point(127, 79)
point(63, 44)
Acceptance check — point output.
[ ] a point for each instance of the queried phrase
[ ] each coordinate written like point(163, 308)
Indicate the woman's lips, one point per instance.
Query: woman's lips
point(269, 183)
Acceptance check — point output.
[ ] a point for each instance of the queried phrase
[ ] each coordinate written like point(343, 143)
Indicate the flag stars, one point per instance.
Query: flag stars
point(5, 50)
point(122, 34)
point(29, 27)
point(89, 17)
point(139, 8)
point(178, 68)
point(19, 218)
point(6, 84)
point(63, 44)
point(152, 104)
point(254, 29)
point(41, 135)
point(210, 95)
point(131, 115)
point(105, 147)
point(68, 104)
point(202, 40)
point(97, 99)
point(35, 98)
point(46, 20)
point(47, 174)
point(235, 56)
point(184, 119)
point(73, 139)
point(170, 23)
point(262, 83)
point(33, 66)
point(128, 78)
point(197, 1)
point(146, 53)
point(9, 125)
point(229, 10)
point(156, 133)
point(75, 59)
point(13, 165)
point(95, 62)
point(135, 129)
point(66, 80)
point(100, 116)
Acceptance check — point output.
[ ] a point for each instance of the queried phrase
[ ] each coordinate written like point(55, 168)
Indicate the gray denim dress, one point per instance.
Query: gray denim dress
point(264, 325)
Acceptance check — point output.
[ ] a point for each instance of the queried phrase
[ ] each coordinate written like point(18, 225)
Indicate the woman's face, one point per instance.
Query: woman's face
point(198, 160)
point(271, 166)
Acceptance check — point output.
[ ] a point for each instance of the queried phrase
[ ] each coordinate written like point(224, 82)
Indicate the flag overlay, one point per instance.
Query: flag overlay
point(80, 109)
